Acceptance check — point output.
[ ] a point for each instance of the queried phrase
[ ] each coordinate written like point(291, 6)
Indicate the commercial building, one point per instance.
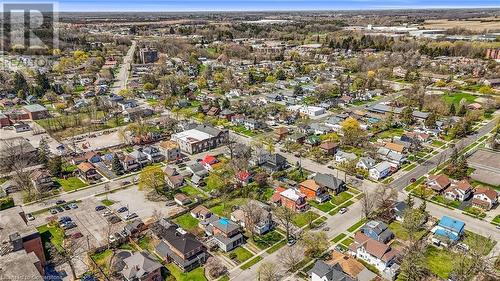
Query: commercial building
point(201, 138)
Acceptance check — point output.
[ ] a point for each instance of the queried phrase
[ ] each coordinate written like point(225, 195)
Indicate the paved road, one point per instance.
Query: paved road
point(122, 77)
point(431, 163)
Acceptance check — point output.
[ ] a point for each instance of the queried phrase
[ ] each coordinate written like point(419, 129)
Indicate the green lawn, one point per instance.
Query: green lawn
point(197, 274)
point(107, 202)
point(339, 237)
point(192, 191)
point(242, 254)
point(102, 259)
point(437, 143)
point(457, 97)
point(402, 234)
point(496, 220)
point(71, 183)
point(242, 130)
point(325, 207)
point(470, 236)
point(409, 167)
point(341, 198)
point(356, 225)
point(442, 200)
point(302, 219)
point(395, 132)
point(439, 262)
point(267, 240)
point(225, 208)
point(187, 221)
point(51, 233)
point(251, 262)
point(347, 242)
point(146, 243)
point(276, 247)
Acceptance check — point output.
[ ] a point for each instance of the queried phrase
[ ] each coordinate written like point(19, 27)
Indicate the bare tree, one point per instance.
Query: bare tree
point(384, 200)
point(67, 253)
point(368, 203)
point(231, 144)
point(285, 217)
point(268, 271)
point(17, 156)
point(290, 257)
point(215, 268)
point(252, 214)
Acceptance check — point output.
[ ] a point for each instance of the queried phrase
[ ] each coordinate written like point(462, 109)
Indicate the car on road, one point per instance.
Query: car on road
point(326, 228)
point(360, 177)
point(136, 180)
point(99, 208)
point(130, 216)
point(107, 213)
point(111, 238)
point(73, 206)
point(343, 211)
point(123, 183)
point(413, 180)
point(291, 242)
point(66, 207)
point(170, 203)
point(53, 211)
point(30, 217)
point(60, 201)
point(498, 226)
point(339, 249)
point(122, 209)
point(59, 209)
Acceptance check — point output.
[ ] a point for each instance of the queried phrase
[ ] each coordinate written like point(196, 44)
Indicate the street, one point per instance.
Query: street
point(122, 77)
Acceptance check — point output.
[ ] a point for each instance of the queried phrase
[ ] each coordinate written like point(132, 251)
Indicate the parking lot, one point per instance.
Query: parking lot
point(487, 166)
point(34, 139)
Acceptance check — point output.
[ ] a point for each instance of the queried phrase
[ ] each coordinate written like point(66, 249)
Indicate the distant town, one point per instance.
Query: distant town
point(322, 146)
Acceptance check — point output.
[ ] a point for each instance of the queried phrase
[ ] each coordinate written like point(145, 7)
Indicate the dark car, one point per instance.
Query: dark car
point(53, 211)
point(76, 235)
point(64, 219)
point(59, 202)
point(113, 219)
point(59, 209)
point(413, 180)
point(100, 208)
point(66, 207)
point(122, 209)
point(358, 176)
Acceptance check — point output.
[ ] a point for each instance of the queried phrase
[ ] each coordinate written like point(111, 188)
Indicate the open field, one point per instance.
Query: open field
point(478, 24)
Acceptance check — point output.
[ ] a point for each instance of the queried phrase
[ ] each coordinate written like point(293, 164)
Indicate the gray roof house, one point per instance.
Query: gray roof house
point(366, 163)
point(325, 272)
point(141, 266)
point(330, 182)
point(377, 230)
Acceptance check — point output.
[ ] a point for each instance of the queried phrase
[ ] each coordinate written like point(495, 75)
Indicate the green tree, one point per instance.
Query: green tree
point(43, 152)
point(152, 178)
point(315, 243)
point(430, 122)
point(407, 116)
point(352, 132)
point(414, 266)
point(453, 109)
point(55, 166)
point(116, 165)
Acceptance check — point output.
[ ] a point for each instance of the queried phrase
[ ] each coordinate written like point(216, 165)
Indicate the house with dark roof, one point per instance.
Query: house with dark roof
point(274, 162)
point(41, 179)
point(141, 266)
point(179, 246)
point(322, 271)
point(377, 230)
point(223, 232)
point(330, 182)
point(449, 230)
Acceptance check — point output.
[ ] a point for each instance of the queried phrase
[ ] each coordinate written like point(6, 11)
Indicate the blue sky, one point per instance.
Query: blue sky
point(259, 5)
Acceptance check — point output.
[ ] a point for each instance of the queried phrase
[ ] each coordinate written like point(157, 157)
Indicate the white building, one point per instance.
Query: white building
point(307, 110)
point(380, 170)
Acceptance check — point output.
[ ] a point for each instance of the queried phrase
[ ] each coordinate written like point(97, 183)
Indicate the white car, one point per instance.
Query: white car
point(30, 217)
point(112, 238)
point(130, 216)
point(107, 213)
point(343, 210)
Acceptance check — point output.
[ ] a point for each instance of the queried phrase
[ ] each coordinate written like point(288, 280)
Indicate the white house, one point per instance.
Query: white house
point(380, 170)
point(342, 156)
point(307, 110)
point(485, 198)
point(366, 163)
point(459, 191)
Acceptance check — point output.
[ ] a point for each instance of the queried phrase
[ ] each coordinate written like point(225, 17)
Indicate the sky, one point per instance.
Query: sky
point(257, 5)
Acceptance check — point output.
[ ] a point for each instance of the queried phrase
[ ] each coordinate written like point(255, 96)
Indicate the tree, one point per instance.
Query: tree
point(409, 201)
point(352, 132)
point(215, 268)
point(412, 222)
point(290, 257)
point(67, 253)
point(486, 90)
point(55, 166)
point(407, 116)
point(268, 271)
point(252, 214)
point(413, 265)
point(367, 204)
point(315, 243)
point(152, 178)
point(285, 217)
point(116, 165)
point(385, 197)
point(298, 91)
point(17, 155)
point(475, 261)
point(43, 151)
point(149, 86)
point(430, 122)
point(452, 109)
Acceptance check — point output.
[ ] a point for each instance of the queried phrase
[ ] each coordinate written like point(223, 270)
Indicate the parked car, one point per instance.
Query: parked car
point(122, 209)
point(130, 216)
point(30, 217)
point(99, 208)
point(64, 219)
point(125, 183)
point(76, 235)
point(413, 180)
point(69, 225)
point(66, 207)
point(60, 201)
point(343, 210)
point(59, 209)
point(112, 238)
point(73, 206)
point(53, 211)
point(114, 219)
point(358, 176)
point(107, 213)
point(291, 242)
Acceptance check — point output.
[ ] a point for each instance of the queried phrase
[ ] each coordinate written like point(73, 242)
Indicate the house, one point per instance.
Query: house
point(342, 156)
point(377, 230)
point(322, 271)
point(153, 154)
point(290, 198)
point(438, 183)
point(178, 246)
point(130, 163)
point(170, 149)
point(381, 256)
point(88, 172)
point(263, 221)
point(319, 129)
point(181, 199)
point(140, 157)
point(459, 191)
point(314, 191)
point(173, 178)
point(350, 266)
point(92, 157)
point(399, 148)
point(141, 266)
point(134, 228)
point(201, 138)
point(224, 233)
point(485, 198)
point(244, 177)
point(328, 147)
point(274, 162)
point(330, 182)
point(399, 210)
point(380, 171)
point(21, 127)
point(280, 133)
point(306, 110)
point(209, 161)
point(312, 140)
point(201, 212)
point(35, 112)
point(136, 113)
point(296, 137)
point(449, 230)
point(41, 179)
point(366, 163)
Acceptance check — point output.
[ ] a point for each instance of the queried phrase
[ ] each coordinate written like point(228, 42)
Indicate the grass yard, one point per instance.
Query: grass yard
point(267, 240)
point(496, 220)
point(325, 206)
point(146, 243)
point(457, 97)
point(51, 233)
point(341, 198)
point(395, 132)
point(337, 238)
point(107, 202)
point(302, 219)
point(192, 191)
point(488, 243)
point(437, 143)
point(71, 183)
point(241, 254)
point(402, 234)
point(225, 208)
point(251, 262)
point(242, 130)
point(187, 221)
point(197, 274)
point(347, 242)
point(442, 200)
point(357, 225)
point(102, 259)
point(409, 167)
point(439, 262)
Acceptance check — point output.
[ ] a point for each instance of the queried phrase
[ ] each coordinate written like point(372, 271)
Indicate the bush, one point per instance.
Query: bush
point(6, 203)
point(232, 255)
